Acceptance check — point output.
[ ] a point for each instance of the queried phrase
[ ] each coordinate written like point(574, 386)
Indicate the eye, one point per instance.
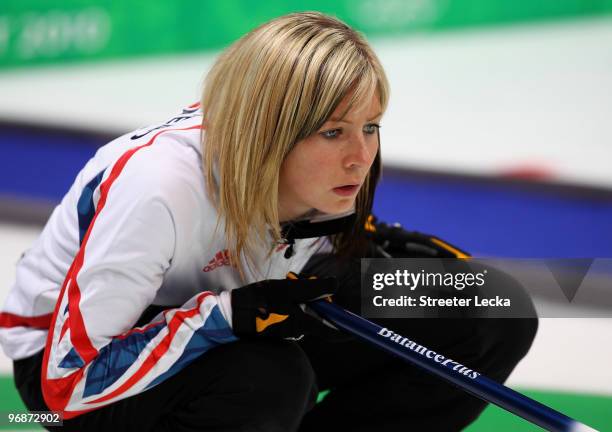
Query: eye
point(331, 134)
point(371, 128)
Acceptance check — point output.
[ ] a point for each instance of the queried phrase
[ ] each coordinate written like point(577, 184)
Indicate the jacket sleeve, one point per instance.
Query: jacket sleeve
point(93, 355)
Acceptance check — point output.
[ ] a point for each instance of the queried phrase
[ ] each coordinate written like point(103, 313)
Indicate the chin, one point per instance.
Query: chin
point(338, 207)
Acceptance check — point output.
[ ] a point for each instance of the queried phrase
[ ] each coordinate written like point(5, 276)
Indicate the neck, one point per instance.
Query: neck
point(285, 217)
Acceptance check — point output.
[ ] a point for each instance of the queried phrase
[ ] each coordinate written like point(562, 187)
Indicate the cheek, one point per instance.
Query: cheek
point(314, 175)
point(373, 148)
point(300, 173)
point(315, 165)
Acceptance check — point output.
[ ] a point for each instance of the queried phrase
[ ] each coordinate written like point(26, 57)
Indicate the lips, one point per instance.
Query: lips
point(346, 190)
point(351, 182)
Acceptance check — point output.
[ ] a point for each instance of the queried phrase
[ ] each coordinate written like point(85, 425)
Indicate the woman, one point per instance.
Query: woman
point(157, 295)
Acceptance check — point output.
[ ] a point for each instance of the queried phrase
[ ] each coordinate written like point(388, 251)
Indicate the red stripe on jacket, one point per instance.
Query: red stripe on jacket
point(158, 351)
point(8, 319)
point(57, 391)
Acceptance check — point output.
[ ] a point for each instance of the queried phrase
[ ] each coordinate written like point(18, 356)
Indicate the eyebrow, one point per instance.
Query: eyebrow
point(344, 121)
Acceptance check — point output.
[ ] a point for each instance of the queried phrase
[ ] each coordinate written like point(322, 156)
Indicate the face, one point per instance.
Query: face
point(326, 170)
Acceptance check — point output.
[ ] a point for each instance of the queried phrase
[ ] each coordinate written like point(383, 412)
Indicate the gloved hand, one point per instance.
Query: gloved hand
point(275, 308)
point(393, 241)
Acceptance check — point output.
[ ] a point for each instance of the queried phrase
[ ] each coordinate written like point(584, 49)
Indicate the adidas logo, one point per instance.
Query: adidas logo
point(221, 258)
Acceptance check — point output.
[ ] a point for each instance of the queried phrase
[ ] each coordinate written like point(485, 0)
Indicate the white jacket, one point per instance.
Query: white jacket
point(135, 229)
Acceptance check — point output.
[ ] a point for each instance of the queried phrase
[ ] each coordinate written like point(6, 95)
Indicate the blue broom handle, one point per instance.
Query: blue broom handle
point(466, 379)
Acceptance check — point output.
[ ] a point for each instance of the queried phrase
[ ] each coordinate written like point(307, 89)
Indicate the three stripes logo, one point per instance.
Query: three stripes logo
point(221, 258)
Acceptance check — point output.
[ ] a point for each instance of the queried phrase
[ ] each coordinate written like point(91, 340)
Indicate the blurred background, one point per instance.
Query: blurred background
point(498, 136)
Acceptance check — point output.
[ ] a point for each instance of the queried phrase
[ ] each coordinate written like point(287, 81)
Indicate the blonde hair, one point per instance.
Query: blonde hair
point(277, 85)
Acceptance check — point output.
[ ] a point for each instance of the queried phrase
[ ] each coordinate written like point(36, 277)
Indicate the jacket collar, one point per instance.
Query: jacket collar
point(317, 225)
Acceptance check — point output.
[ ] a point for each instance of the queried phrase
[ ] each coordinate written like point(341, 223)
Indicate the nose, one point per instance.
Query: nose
point(358, 153)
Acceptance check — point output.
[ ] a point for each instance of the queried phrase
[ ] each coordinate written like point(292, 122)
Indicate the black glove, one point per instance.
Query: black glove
point(275, 307)
point(393, 241)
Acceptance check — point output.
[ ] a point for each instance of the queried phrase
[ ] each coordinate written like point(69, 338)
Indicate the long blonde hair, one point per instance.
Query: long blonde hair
point(273, 87)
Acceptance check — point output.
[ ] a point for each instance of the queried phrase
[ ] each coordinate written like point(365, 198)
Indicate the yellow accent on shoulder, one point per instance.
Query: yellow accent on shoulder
point(369, 226)
point(449, 248)
point(262, 324)
point(293, 276)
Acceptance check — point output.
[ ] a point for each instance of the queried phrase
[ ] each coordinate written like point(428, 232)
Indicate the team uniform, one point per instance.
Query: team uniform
point(121, 315)
point(135, 229)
